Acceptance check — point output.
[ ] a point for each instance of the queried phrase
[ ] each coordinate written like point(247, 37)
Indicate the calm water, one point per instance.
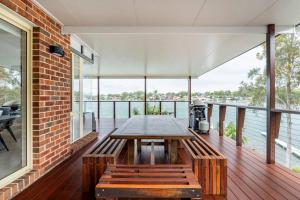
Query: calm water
point(254, 129)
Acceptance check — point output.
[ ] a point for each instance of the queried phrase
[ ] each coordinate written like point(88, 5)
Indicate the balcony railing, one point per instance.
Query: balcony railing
point(247, 126)
point(126, 109)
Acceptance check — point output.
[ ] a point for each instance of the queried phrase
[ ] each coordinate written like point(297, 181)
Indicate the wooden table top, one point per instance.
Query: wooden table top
point(151, 127)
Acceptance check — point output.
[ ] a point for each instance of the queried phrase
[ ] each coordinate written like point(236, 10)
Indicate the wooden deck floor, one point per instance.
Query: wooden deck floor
point(249, 177)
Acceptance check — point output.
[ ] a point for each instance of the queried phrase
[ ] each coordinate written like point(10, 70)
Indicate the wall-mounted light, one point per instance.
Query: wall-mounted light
point(57, 50)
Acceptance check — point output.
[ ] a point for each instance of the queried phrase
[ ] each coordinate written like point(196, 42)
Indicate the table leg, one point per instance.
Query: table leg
point(130, 151)
point(11, 133)
point(166, 148)
point(173, 151)
point(152, 157)
point(139, 145)
point(3, 143)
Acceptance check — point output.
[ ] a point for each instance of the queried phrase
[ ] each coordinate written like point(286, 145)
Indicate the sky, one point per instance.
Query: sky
point(225, 77)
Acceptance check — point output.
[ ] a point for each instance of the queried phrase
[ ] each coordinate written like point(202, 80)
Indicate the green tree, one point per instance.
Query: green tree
point(10, 85)
point(287, 81)
point(230, 131)
point(135, 111)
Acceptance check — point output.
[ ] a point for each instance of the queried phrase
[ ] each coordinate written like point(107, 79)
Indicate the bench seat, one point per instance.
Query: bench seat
point(148, 181)
point(209, 165)
point(95, 162)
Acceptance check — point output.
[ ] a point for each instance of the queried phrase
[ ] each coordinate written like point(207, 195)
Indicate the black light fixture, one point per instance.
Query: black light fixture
point(57, 50)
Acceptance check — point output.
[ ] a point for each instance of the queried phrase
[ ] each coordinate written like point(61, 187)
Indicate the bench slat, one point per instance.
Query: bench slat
point(133, 181)
point(95, 162)
point(100, 146)
point(209, 165)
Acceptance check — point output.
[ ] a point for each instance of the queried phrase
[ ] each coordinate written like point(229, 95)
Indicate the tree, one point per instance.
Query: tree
point(10, 85)
point(230, 131)
point(287, 81)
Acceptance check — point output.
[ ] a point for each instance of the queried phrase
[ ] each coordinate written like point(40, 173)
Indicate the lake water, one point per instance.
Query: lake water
point(254, 128)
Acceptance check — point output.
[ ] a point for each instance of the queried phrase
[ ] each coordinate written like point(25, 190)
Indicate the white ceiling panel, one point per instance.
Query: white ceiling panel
point(284, 12)
point(167, 12)
point(169, 53)
point(119, 54)
point(231, 12)
point(92, 12)
point(166, 55)
point(236, 45)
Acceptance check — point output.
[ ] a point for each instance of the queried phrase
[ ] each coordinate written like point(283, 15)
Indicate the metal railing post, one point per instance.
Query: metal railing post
point(175, 109)
point(129, 109)
point(114, 110)
point(160, 107)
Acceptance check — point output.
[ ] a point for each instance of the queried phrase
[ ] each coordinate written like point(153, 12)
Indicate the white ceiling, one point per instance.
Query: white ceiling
point(169, 54)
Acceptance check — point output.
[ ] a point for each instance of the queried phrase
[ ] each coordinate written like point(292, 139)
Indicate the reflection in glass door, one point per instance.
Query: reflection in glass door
point(13, 100)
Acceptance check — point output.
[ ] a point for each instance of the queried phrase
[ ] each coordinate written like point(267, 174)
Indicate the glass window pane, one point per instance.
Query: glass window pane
point(76, 98)
point(167, 108)
point(152, 108)
point(90, 95)
point(182, 110)
point(122, 110)
point(106, 109)
point(137, 108)
point(13, 99)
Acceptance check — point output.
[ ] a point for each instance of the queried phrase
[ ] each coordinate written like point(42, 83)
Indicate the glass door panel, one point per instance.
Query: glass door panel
point(13, 99)
point(76, 108)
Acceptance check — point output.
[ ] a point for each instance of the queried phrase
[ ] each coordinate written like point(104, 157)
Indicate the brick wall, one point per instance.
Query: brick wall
point(51, 85)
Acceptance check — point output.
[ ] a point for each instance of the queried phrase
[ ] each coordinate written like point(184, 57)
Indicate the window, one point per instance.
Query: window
point(15, 109)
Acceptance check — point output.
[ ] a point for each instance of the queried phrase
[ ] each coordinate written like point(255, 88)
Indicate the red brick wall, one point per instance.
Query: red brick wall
point(51, 86)
point(51, 80)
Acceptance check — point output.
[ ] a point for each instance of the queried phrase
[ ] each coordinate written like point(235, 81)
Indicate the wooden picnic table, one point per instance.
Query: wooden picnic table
point(152, 127)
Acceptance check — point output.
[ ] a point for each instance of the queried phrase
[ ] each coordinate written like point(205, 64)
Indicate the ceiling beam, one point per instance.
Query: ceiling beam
point(172, 29)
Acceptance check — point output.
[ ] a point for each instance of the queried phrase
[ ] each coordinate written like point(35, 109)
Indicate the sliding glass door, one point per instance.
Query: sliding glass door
point(76, 99)
point(15, 139)
point(83, 97)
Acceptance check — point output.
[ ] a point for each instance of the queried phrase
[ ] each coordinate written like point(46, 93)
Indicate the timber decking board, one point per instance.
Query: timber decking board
point(244, 166)
point(250, 171)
